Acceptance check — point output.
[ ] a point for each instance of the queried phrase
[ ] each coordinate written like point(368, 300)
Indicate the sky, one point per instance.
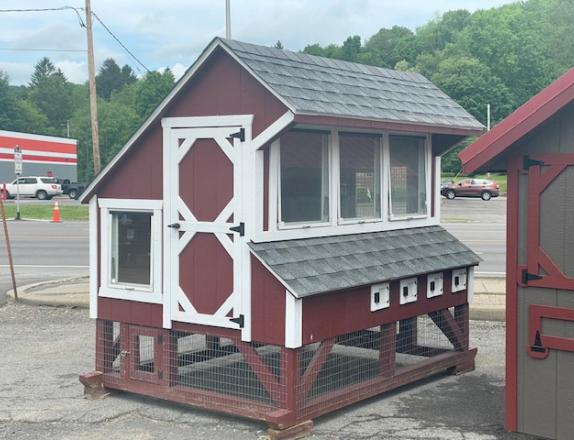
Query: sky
point(172, 33)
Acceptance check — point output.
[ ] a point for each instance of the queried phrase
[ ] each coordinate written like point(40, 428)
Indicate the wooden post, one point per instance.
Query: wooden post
point(8, 248)
point(92, 88)
point(388, 349)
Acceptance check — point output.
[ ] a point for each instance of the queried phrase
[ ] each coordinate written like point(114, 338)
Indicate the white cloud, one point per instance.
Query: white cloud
point(76, 72)
point(173, 32)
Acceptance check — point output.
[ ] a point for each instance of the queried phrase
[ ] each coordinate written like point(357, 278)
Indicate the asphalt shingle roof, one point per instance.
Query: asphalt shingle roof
point(324, 86)
point(316, 265)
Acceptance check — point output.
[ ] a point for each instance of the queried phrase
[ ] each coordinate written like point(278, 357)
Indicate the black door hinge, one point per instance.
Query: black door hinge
point(529, 277)
point(160, 375)
point(239, 228)
point(531, 162)
point(537, 346)
point(160, 339)
point(240, 320)
point(239, 135)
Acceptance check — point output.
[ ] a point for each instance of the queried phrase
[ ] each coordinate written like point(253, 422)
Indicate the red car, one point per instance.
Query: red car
point(485, 189)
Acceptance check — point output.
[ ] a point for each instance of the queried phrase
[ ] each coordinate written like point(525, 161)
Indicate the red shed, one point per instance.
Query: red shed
point(535, 145)
point(268, 243)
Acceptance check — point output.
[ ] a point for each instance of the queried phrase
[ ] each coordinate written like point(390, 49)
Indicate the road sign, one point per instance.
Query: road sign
point(17, 160)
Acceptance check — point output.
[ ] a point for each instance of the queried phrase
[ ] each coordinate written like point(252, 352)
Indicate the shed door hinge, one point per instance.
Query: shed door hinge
point(160, 339)
point(529, 277)
point(160, 375)
point(528, 162)
point(239, 135)
point(239, 228)
point(240, 320)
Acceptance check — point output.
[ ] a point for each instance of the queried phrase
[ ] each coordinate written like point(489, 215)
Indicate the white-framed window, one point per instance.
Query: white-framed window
point(131, 260)
point(409, 185)
point(304, 176)
point(359, 177)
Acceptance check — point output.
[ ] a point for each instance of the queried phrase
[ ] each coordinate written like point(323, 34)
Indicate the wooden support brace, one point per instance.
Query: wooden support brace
point(447, 324)
point(293, 432)
point(263, 373)
point(314, 368)
point(388, 349)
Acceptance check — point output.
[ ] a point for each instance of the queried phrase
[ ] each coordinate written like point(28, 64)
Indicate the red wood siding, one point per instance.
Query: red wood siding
point(206, 273)
point(130, 312)
point(337, 313)
point(221, 87)
point(267, 306)
point(206, 180)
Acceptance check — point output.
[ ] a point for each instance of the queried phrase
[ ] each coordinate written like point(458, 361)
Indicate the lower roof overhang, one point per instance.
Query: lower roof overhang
point(313, 266)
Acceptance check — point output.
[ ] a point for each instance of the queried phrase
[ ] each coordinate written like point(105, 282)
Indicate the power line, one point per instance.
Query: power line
point(61, 8)
point(119, 42)
point(17, 49)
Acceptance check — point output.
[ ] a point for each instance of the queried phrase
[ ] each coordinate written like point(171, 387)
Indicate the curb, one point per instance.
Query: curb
point(26, 295)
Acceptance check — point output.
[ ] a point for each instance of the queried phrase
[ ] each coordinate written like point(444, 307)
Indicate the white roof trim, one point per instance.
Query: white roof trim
point(38, 137)
point(159, 109)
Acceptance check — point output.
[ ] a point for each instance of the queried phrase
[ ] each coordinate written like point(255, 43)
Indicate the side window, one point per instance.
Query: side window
point(407, 176)
point(304, 177)
point(360, 171)
point(130, 257)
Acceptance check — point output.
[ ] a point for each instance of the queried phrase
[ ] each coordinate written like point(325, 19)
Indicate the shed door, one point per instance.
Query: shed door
point(550, 228)
point(203, 222)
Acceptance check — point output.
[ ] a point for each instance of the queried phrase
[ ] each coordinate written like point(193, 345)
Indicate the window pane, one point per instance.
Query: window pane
point(131, 247)
point(360, 175)
point(304, 177)
point(408, 176)
point(48, 180)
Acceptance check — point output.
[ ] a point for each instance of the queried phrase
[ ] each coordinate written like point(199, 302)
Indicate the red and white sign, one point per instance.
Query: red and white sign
point(37, 148)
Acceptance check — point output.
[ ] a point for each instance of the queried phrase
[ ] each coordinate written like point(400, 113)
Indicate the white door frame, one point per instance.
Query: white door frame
point(219, 128)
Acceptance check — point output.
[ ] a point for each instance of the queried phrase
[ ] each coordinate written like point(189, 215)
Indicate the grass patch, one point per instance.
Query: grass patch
point(44, 212)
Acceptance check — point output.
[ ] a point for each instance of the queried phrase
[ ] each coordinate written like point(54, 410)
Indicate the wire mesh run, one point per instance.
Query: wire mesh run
point(222, 365)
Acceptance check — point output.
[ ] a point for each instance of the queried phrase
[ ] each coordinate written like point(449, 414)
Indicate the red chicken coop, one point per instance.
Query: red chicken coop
point(267, 244)
point(535, 146)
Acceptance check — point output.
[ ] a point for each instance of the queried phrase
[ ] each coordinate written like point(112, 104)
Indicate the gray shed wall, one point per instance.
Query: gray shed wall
point(546, 387)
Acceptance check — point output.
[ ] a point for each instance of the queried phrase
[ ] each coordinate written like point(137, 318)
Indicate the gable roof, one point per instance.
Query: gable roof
point(312, 85)
point(519, 123)
point(310, 266)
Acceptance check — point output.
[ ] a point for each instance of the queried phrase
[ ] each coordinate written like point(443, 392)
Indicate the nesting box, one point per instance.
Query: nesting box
point(535, 146)
point(268, 243)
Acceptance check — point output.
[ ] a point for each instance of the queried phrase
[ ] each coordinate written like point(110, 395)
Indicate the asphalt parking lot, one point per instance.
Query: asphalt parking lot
point(44, 350)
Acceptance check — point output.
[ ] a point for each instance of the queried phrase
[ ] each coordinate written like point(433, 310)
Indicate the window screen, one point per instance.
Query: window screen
point(131, 247)
point(408, 176)
point(304, 177)
point(360, 176)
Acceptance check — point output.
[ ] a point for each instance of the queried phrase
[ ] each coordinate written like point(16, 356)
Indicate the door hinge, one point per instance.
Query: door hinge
point(160, 339)
point(239, 228)
point(174, 226)
point(528, 162)
point(240, 320)
point(239, 135)
point(160, 375)
point(529, 277)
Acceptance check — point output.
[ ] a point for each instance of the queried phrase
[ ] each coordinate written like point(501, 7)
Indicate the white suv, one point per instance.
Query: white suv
point(43, 188)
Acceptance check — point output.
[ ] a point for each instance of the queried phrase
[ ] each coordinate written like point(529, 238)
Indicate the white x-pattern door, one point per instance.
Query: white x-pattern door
point(193, 281)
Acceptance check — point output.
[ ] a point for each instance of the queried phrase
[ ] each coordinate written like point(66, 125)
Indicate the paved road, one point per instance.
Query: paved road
point(44, 251)
point(482, 226)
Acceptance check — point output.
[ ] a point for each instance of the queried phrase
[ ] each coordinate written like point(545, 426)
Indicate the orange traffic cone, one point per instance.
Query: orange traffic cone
point(56, 213)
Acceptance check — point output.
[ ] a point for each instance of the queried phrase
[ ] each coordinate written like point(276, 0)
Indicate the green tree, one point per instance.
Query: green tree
point(153, 88)
point(278, 45)
point(50, 93)
point(389, 46)
point(111, 78)
point(17, 113)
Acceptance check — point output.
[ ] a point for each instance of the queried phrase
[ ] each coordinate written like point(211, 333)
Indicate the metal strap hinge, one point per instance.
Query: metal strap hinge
point(528, 162)
point(529, 277)
point(239, 135)
point(239, 228)
point(240, 320)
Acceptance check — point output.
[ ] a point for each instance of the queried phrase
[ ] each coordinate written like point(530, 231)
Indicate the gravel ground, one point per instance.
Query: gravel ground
point(45, 349)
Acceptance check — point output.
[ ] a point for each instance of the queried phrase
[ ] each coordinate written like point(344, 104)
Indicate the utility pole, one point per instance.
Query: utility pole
point(487, 117)
point(92, 87)
point(227, 20)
